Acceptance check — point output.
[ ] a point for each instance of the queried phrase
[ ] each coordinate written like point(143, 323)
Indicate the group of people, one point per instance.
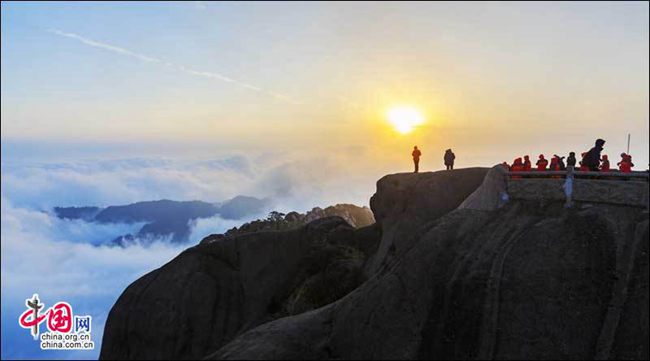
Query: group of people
point(591, 161)
point(448, 158)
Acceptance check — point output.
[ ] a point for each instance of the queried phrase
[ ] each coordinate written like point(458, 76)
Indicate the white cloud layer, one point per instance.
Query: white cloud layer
point(60, 259)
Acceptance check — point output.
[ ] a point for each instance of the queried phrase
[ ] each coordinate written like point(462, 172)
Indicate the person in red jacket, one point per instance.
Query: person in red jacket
point(541, 163)
point(604, 165)
point(555, 165)
point(583, 165)
point(625, 165)
point(517, 166)
point(527, 166)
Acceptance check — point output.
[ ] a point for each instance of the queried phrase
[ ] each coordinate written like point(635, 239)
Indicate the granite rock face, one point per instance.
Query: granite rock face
point(404, 203)
point(212, 292)
point(510, 284)
point(441, 275)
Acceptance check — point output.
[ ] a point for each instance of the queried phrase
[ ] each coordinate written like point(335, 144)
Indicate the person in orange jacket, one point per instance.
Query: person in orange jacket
point(604, 165)
point(416, 158)
point(541, 163)
point(517, 166)
point(625, 165)
point(527, 166)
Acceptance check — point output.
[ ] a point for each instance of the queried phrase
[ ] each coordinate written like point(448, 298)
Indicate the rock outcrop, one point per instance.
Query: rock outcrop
point(354, 215)
point(214, 291)
point(448, 272)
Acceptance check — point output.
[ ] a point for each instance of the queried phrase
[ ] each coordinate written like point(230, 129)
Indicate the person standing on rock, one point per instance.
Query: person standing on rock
point(625, 165)
point(571, 160)
point(449, 159)
point(592, 158)
point(560, 162)
point(527, 165)
point(604, 165)
point(541, 163)
point(416, 158)
point(517, 166)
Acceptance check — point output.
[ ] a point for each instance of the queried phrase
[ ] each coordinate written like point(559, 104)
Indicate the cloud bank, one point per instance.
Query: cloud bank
point(61, 259)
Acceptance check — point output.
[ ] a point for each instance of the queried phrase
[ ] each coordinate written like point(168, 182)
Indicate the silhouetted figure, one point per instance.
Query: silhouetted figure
point(517, 166)
point(541, 163)
point(416, 158)
point(555, 165)
point(571, 160)
point(527, 165)
point(583, 164)
point(604, 165)
point(449, 159)
point(592, 158)
point(625, 165)
point(560, 162)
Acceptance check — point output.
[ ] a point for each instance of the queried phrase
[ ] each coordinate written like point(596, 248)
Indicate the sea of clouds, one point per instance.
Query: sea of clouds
point(65, 260)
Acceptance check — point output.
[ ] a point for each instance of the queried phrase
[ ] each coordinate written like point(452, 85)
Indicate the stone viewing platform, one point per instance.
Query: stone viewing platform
point(630, 189)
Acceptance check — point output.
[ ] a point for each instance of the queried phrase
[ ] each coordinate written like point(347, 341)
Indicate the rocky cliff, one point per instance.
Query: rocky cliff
point(449, 271)
point(354, 215)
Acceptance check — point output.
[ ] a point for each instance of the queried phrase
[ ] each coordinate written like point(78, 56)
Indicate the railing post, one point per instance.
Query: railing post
point(568, 187)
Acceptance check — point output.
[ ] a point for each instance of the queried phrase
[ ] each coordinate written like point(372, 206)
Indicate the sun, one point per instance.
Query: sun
point(404, 118)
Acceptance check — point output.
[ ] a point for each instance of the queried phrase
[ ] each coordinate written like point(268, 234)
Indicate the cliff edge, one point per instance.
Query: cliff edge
point(449, 271)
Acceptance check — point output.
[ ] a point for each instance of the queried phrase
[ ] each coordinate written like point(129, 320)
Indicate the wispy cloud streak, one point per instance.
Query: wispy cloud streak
point(97, 44)
point(181, 68)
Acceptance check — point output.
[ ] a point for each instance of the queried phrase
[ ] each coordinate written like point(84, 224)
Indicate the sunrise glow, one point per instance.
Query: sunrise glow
point(405, 119)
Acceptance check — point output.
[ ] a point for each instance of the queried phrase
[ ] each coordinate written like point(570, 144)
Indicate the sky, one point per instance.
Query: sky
point(493, 79)
point(113, 103)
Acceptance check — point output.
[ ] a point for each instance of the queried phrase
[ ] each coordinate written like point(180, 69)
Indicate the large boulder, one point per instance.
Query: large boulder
point(407, 201)
point(449, 271)
point(214, 291)
point(517, 283)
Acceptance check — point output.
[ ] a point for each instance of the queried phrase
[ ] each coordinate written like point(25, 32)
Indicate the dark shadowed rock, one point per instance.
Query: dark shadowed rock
point(404, 202)
point(214, 291)
point(508, 285)
point(354, 215)
point(526, 279)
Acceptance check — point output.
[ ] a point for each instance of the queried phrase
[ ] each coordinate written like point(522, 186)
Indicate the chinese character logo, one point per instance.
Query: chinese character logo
point(59, 316)
point(65, 331)
point(82, 324)
point(32, 322)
